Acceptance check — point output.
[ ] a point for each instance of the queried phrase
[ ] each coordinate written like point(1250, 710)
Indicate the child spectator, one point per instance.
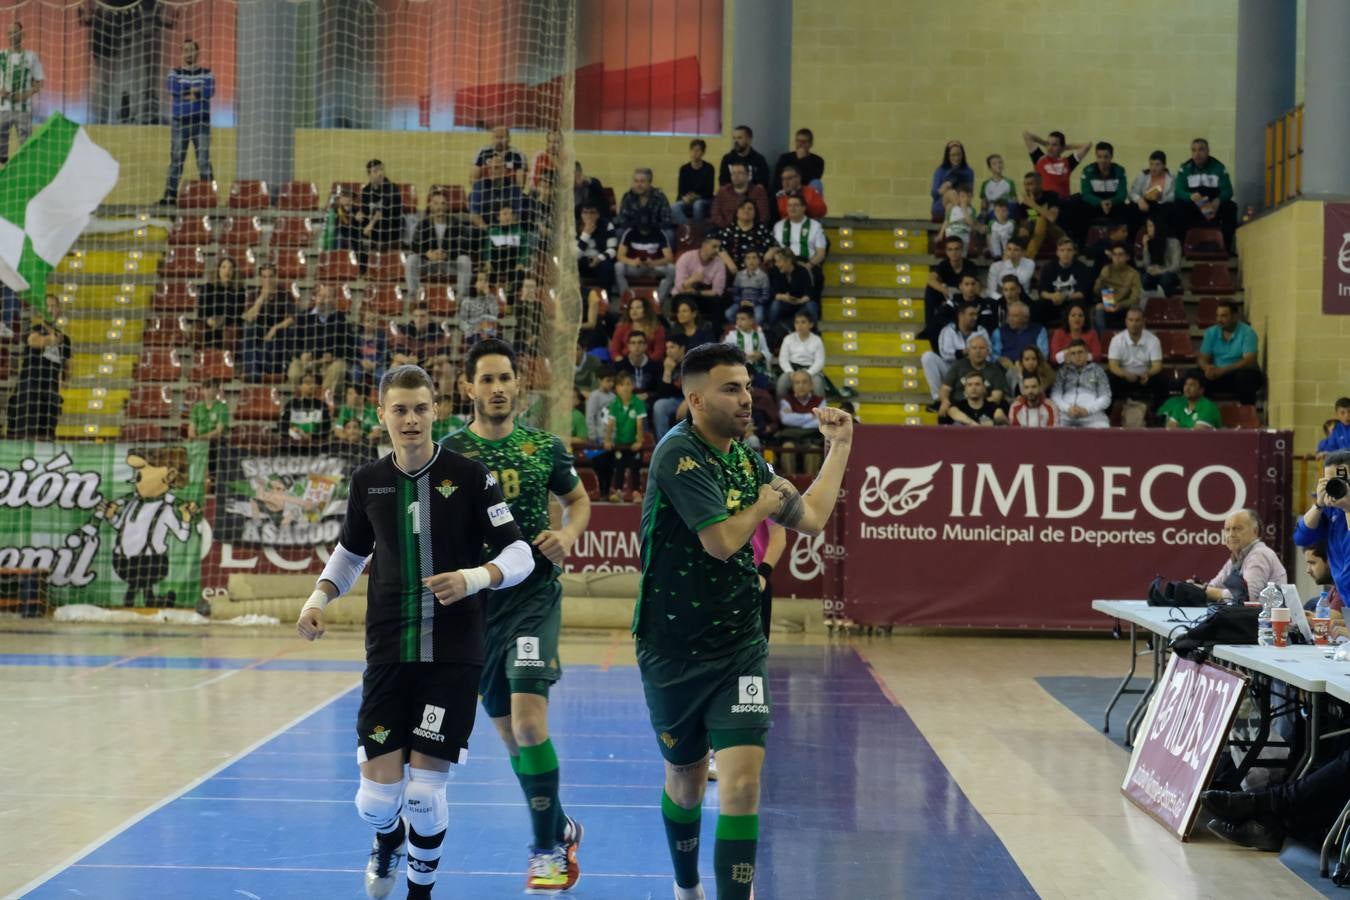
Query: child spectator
point(994, 188)
point(1338, 438)
point(625, 430)
point(341, 231)
point(446, 421)
point(750, 338)
point(960, 218)
point(1000, 228)
point(579, 436)
point(305, 420)
point(356, 408)
point(597, 404)
point(508, 249)
point(751, 286)
point(477, 315)
point(587, 372)
point(696, 186)
point(209, 417)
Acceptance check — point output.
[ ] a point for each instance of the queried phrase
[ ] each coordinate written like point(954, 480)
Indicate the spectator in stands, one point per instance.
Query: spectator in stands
point(960, 218)
point(953, 342)
point(1191, 410)
point(21, 77)
point(477, 315)
point(742, 152)
point(1154, 190)
point(500, 149)
point(1015, 262)
point(586, 377)
point(731, 195)
point(421, 341)
point(35, 402)
point(810, 166)
point(371, 351)
point(791, 180)
point(639, 316)
point(265, 317)
point(322, 344)
point(644, 203)
point(1017, 334)
point(190, 90)
point(953, 172)
point(697, 184)
point(1031, 409)
point(794, 410)
point(381, 209)
point(801, 350)
point(544, 166)
point(1162, 261)
point(1338, 438)
point(1030, 203)
point(645, 254)
point(701, 275)
point(209, 416)
point(1099, 252)
point(597, 404)
point(1051, 164)
point(597, 248)
point(1103, 189)
point(625, 433)
point(969, 293)
point(1075, 328)
point(1250, 564)
point(444, 244)
point(1134, 363)
point(944, 283)
point(750, 289)
point(974, 408)
point(790, 285)
point(1205, 193)
point(805, 239)
point(994, 188)
point(305, 420)
point(1064, 281)
point(220, 307)
point(341, 229)
point(496, 188)
point(668, 396)
point(358, 414)
point(688, 330)
point(1031, 362)
point(588, 191)
point(1228, 355)
point(744, 235)
point(1047, 230)
point(749, 337)
point(976, 360)
point(1000, 227)
point(1117, 290)
point(1082, 391)
point(638, 365)
point(507, 250)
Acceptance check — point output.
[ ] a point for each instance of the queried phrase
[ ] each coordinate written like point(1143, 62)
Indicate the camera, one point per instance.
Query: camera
point(1337, 488)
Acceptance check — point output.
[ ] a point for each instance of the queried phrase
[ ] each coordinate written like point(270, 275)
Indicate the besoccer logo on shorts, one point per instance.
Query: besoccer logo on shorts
point(432, 718)
point(751, 699)
point(527, 653)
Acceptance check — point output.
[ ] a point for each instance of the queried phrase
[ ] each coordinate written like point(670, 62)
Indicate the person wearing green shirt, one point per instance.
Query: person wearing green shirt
point(357, 408)
point(446, 421)
point(209, 417)
point(701, 647)
point(1192, 410)
point(1228, 355)
point(625, 433)
point(1205, 194)
point(1104, 188)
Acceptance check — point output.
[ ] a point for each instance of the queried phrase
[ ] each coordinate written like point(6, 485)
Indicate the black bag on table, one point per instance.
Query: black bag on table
point(1176, 593)
point(1226, 624)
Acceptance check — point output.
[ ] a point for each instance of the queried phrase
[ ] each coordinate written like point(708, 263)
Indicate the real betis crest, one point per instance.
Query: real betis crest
point(527, 448)
point(446, 488)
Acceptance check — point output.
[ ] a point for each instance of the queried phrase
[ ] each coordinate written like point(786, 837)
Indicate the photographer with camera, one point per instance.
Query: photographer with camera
point(1325, 521)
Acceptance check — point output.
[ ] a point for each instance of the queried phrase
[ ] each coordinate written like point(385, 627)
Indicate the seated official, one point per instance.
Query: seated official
point(1251, 565)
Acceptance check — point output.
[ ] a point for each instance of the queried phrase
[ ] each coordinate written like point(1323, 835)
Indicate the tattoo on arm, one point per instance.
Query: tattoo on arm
point(793, 508)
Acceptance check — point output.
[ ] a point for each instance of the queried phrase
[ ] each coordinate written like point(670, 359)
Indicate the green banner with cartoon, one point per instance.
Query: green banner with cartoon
point(112, 524)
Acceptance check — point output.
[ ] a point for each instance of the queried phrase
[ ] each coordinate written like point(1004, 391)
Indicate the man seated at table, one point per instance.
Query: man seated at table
point(1306, 807)
point(1251, 564)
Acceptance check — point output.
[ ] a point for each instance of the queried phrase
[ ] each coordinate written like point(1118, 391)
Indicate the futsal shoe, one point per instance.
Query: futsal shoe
point(693, 893)
point(557, 870)
point(1233, 805)
point(1264, 833)
point(382, 870)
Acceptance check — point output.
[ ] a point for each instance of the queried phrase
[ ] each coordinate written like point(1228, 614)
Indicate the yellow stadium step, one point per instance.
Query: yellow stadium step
point(879, 241)
point(103, 366)
point(138, 232)
point(895, 414)
point(128, 297)
point(101, 430)
point(109, 262)
point(877, 379)
point(875, 274)
point(869, 343)
point(93, 401)
point(119, 330)
point(906, 310)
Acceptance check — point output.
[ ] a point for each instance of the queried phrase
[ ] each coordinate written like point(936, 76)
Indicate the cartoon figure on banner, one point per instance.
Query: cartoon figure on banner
point(303, 500)
point(145, 520)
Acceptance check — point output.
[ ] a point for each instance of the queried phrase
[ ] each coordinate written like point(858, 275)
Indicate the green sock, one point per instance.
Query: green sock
point(734, 856)
point(682, 831)
point(538, 774)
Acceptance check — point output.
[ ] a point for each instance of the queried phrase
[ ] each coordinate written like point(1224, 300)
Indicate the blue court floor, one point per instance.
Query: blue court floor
point(855, 804)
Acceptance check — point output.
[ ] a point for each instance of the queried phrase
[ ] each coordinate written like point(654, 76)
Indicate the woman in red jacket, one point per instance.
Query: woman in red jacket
point(641, 317)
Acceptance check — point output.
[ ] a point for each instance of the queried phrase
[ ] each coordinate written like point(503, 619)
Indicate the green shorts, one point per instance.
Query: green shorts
point(521, 652)
point(695, 704)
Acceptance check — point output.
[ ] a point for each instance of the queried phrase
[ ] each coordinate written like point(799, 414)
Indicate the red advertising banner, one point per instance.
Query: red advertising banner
point(1336, 259)
point(1023, 528)
point(1186, 727)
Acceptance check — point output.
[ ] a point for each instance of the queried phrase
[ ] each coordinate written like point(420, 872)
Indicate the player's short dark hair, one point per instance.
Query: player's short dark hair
point(489, 347)
point(1105, 145)
point(1010, 277)
point(1159, 156)
point(808, 133)
point(1343, 402)
point(706, 357)
point(700, 143)
point(1060, 135)
point(738, 164)
point(408, 377)
point(948, 241)
point(991, 157)
point(1077, 342)
point(1229, 305)
point(749, 132)
point(624, 376)
point(1031, 376)
point(591, 207)
point(1318, 550)
point(635, 333)
point(793, 169)
point(966, 305)
point(373, 163)
point(1001, 201)
point(1018, 243)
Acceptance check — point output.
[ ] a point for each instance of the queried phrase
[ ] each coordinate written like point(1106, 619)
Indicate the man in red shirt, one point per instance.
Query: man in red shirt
point(1032, 409)
point(792, 184)
point(1051, 163)
point(733, 194)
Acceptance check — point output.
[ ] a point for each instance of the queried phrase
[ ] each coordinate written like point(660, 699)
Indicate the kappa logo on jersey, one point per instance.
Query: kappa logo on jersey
point(446, 488)
point(499, 514)
point(686, 463)
point(527, 653)
point(751, 695)
point(432, 717)
point(491, 481)
point(380, 490)
point(380, 735)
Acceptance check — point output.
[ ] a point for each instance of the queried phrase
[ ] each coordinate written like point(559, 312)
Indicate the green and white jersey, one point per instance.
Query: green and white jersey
point(529, 464)
point(18, 72)
point(691, 605)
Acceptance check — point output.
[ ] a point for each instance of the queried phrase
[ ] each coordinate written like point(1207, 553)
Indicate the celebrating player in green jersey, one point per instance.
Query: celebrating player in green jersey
point(701, 647)
point(524, 621)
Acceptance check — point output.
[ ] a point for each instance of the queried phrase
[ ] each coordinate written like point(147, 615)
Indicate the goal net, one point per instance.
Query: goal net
point(303, 194)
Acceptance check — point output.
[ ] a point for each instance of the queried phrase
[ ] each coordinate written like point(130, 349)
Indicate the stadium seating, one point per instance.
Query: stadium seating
point(191, 231)
point(298, 195)
point(258, 403)
point(1212, 278)
point(408, 194)
point(1204, 243)
point(1165, 312)
point(385, 299)
point(175, 297)
point(182, 262)
point(291, 264)
point(142, 433)
point(1239, 415)
point(1206, 310)
point(238, 233)
point(385, 267)
point(150, 401)
point(440, 301)
point(292, 233)
point(249, 195)
point(337, 265)
point(1176, 346)
point(213, 365)
point(456, 197)
point(198, 195)
point(158, 364)
point(165, 331)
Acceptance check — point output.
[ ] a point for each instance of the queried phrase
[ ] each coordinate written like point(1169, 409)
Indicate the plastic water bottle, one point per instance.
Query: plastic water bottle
point(1270, 597)
point(1323, 610)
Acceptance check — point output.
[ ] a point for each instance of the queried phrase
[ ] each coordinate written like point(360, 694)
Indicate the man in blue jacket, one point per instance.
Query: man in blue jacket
point(190, 88)
point(1325, 521)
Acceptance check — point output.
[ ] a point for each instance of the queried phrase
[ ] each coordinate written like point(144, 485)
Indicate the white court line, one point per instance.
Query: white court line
point(346, 754)
point(109, 835)
point(454, 803)
point(455, 782)
point(312, 869)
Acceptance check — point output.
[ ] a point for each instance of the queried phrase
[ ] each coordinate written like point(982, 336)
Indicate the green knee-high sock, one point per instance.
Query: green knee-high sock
point(734, 856)
point(682, 830)
point(538, 774)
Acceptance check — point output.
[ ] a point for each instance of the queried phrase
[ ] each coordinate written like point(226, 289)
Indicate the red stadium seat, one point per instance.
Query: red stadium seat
point(408, 193)
point(1165, 312)
point(253, 436)
point(250, 194)
point(182, 262)
point(384, 299)
point(456, 197)
point(198, 195)
point(689, 237)
point(259, 403)
point(1204, 243)
point(291, 264)
point(141, 433)
point(213, 365)
point(238, 233)
point(298, 195)
point(1212, 278)
point(150, 401)
point(613, 204)
point(1239, 415)
point(159, 364)
point(385, 267)
point(590, 481)
point(1176, 346)
point(342, 295)
point(440, 301)
point(337, 265)
point(190, 231)
point(1207, 310)
point(165, 331)
point(175, 297)
point(292, 233)
point(765, 403)
point(352, 187)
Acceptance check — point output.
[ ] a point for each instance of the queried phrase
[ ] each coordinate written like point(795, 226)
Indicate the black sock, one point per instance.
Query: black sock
point(682, 837)
point(424, 855)
point(392, 839)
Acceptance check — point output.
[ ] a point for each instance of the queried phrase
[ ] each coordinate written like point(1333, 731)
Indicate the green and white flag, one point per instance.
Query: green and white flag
point(48, 191)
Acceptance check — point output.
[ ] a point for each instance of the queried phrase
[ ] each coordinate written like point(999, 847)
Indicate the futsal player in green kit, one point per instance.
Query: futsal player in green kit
point(701, 646)
point(521, 658)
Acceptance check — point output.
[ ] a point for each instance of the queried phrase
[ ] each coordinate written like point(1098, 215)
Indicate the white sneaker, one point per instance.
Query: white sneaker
point(712, 766)
point(382, 870)
point(693, 893)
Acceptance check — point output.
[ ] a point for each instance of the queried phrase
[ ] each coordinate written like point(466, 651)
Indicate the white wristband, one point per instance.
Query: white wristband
point(476, 580)
point(317, 600)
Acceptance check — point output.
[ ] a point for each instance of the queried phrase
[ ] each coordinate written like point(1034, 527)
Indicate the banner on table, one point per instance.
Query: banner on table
point(1024, 528)
point(111, 524)
point(1336, 259)
point(284, 500)
point(1178, 745)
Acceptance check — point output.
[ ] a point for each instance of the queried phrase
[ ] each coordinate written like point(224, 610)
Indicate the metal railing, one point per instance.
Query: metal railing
point(1284, 158)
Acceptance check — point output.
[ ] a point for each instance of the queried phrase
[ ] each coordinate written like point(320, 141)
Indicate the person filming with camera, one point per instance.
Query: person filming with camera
point(1325, 521)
